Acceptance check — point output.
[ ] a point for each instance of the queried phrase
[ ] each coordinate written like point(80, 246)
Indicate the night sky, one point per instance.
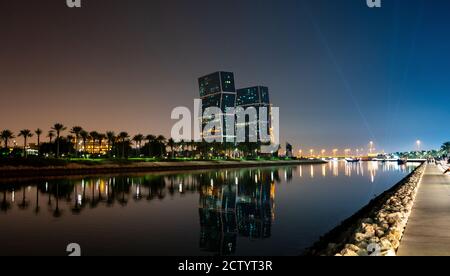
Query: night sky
point(341, 73)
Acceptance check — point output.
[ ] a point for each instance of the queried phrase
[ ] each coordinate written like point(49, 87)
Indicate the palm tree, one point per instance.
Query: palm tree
point(25, 133)
point(51, 135)
point(70, 139)
point(171, 144)
point(94, 136)
point(76, 130)
point(446, 147)
point(151, 139)
point(162, 143)
point(6, 135)
point(84, 136)
point(58, 128)
point(138, 140)
point(123, 136)
point(38, 133)
point(111, 136)
point(101, 137)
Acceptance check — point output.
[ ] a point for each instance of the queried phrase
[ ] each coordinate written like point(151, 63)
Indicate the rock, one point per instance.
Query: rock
point(362, 253)
point(389, 253)
point(369, 230)
point(385, 244)
point(352, 247)
point(380, 233)
point(395, 244)
point(395, 233)
point(363, 245)
point(359, 237)
point(374, 240)
point(348, 253)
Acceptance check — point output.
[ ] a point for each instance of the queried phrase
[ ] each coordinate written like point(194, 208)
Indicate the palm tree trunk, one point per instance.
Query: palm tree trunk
point(76, 146)
point(123, 148)
point(39, 145)
point(57, 146)
point(25, 147)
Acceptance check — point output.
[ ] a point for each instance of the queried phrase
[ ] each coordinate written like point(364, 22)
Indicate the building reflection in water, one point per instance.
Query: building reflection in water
point(233, 204)
point(241, 205)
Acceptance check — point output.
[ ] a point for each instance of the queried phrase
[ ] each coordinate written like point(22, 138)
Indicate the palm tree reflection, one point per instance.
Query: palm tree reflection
point(232, 204)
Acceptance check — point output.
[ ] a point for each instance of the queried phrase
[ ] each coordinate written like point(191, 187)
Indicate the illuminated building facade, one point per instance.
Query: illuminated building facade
point(94, 147)
point(256, 97)
point(217, 90)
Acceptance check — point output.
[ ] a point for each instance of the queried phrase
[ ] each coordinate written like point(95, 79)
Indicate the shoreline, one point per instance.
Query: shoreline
point(18, 173)
point(378, 226)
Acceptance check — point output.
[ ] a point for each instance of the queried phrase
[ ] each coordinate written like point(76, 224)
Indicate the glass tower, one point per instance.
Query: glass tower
point(217, 90)
point(257, 97)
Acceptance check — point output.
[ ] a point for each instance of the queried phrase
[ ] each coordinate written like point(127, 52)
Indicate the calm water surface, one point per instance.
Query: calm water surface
point(270, 211)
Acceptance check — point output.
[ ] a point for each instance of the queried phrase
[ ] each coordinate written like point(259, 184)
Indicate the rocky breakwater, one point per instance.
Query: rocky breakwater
point(381, 233)
point(378, 228)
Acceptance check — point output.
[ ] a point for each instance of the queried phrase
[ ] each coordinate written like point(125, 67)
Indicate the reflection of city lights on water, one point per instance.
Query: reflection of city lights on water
point(79, 199)
point(335, 169)
point(236, 180)
point(348, 169)
point(180, 188)
point(13, 196)
point(324, 170)
point(312, 171)
point(212, 182)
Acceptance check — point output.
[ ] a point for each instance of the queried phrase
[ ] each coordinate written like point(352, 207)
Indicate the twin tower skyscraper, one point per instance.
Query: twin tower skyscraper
point(219, 90)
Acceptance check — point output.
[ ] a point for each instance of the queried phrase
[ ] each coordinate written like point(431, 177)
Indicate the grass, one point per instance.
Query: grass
point(53, 162)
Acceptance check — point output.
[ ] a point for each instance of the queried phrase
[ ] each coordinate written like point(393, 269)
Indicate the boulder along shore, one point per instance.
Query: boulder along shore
point(377, 229)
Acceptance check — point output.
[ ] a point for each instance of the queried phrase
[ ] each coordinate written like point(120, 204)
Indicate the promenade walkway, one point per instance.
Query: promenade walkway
point(428, 229)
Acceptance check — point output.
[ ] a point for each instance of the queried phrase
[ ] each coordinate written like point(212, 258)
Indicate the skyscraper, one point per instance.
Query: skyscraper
point(256, 97)
point(217, 90)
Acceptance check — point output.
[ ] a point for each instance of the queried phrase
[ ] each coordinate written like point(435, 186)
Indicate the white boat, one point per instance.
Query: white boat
point(352, 160)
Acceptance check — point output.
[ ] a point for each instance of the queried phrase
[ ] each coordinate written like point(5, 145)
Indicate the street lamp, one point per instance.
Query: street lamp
point(347, 152)
point(335, 152)
point(312, 152)
point(418, 143)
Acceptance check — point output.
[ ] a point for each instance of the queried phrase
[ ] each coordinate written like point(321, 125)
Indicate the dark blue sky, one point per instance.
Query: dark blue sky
point(342, 74)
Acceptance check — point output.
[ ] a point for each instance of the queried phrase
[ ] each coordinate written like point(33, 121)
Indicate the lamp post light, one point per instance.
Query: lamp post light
point(311, 151)
point(418, 143)
point(347, 152)
point(335, 151)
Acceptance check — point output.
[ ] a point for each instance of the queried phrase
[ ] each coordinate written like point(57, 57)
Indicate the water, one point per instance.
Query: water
point(269, 211)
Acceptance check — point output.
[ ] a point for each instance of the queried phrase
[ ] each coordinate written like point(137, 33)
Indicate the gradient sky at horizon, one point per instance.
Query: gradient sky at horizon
point(342, 74)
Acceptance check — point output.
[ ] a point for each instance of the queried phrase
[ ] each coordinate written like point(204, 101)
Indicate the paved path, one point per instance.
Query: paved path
point(428, 229)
